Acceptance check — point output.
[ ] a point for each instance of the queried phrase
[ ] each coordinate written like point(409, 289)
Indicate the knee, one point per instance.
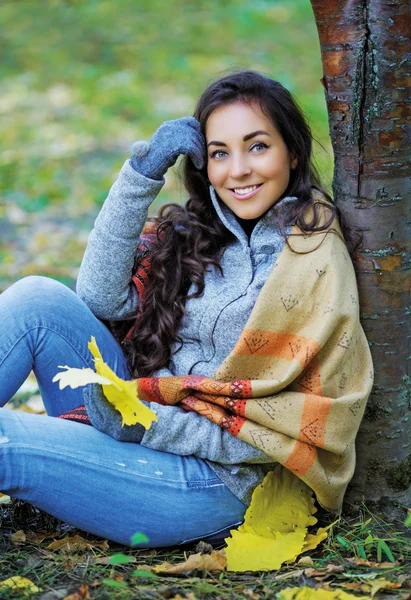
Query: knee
point(34, 292)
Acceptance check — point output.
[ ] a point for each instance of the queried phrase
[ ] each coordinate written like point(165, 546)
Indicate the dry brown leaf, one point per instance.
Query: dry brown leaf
point(40, 536)
point(290, 575)
point(326, 571)
point(380, 584)
point(18, 537)
point(215, 561)
point(369, 563)
point(353, 585)
point(306, 561)
point(77, 542)
point(81, 593)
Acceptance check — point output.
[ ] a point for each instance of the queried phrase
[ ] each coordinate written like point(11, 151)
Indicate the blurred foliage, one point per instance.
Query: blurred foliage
point(80, 80)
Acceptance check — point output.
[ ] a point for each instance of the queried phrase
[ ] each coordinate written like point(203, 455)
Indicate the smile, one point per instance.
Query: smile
point(246, 192)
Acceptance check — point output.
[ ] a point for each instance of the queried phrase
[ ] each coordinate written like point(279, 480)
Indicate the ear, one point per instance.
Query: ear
point(294, 161)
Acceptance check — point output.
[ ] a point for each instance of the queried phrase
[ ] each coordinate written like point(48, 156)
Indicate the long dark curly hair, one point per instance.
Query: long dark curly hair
point(192, 238)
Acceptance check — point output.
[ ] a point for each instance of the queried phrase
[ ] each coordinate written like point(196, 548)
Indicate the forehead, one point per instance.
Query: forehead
point(238, 120)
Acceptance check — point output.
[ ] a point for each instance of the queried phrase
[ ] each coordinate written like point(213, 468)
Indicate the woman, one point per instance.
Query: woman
point(205, 295)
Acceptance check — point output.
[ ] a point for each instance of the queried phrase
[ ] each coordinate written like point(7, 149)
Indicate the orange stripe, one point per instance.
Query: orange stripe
point(273, 343)
point(314, 420)
point(301, 459)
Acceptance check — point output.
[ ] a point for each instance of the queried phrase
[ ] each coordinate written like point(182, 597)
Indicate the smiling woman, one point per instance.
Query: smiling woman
point(237, 313)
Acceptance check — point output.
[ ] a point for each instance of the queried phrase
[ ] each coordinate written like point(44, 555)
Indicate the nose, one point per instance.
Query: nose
point(239, 166)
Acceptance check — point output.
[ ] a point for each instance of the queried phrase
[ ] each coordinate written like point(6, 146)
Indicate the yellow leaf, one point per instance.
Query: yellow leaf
point(18, 537)
point(120, 393)
point(282, 503)
point(381, 584)
point(313, 539)
point(123, 396)
point(78, 377)
point(4, 499)
point(18, 582)
point(275, 524)
point(247, 551)
point(306, 593)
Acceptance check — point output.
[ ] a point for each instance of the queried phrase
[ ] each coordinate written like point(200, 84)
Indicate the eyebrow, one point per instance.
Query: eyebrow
point(245, 138)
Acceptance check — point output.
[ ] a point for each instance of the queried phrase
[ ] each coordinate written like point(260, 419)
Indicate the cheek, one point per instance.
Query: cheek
point(212, 173)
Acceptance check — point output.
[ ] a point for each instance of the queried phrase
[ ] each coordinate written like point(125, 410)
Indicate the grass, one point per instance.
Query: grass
point(78, 569)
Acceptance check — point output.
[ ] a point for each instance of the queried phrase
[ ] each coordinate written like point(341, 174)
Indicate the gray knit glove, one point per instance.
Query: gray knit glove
point(181, 136)
point(106, 418)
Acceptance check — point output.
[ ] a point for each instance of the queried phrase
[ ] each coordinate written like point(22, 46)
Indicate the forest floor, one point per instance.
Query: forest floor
point(65, 563)
point(364, 556)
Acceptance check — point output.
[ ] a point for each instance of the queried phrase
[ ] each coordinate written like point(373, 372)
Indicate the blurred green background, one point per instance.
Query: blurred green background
point(80, 80)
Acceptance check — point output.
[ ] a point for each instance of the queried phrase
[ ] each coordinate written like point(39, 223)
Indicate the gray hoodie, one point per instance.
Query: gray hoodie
point(209, 331)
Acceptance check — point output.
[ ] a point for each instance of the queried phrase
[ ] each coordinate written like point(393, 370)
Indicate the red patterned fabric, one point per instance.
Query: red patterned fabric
point(78, 414)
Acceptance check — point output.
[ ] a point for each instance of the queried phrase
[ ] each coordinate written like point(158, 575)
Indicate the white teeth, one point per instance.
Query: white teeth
point(244, 191)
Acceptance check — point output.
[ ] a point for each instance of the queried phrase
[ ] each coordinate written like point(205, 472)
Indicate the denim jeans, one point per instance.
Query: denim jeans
point(71, 470)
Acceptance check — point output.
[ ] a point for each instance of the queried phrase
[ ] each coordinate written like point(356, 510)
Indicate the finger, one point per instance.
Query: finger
point(192, 122)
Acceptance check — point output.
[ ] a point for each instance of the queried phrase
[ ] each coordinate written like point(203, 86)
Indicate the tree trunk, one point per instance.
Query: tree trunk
point(365, 50)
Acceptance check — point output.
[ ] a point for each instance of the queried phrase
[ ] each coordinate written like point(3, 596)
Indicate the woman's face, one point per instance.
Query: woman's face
point(248, 161)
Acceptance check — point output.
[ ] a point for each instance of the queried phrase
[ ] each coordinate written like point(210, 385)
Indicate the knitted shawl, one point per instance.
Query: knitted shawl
point(297, 381)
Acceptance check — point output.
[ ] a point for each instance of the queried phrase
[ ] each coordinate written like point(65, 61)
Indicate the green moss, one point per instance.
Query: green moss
point(399, 477)
point(406, 390)
point(375, 411)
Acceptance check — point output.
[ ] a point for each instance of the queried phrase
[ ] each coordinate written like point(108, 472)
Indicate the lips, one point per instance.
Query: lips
point(247, 195)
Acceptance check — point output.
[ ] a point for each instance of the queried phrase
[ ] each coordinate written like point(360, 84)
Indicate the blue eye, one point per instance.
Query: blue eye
point(214, 154)
point(259, 145)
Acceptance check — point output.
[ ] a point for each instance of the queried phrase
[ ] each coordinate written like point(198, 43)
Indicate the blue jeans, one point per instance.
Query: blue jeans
point(74, 472)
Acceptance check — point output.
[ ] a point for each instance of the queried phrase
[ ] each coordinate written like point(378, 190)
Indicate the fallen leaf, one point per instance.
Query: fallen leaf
point(216, 561)
point(326, 571)
point(251, 552)
point(40, 536)
point(18, 582)
point(18, 537)
point(306, 561)
point(275, 524)
point(306, 593)
point(75, 542)
point(369, 563)
point(312, 540)
point(360, 587)
point(81, 594)
point(281, 503)
point(290, 574)
point(381, 584)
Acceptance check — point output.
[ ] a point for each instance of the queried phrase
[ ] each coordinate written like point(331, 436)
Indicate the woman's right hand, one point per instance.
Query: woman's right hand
point(180, 136)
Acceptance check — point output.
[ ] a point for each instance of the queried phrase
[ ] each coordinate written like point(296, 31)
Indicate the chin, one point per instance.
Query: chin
point(249, 214)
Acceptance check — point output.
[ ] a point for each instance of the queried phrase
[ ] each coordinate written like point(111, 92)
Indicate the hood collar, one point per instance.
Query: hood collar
point(228, 218)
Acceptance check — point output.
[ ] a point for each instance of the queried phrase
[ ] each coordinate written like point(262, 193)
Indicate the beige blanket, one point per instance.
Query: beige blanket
point(297, 381)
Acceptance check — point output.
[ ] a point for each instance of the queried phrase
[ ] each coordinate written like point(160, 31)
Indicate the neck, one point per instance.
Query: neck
point(247, 224)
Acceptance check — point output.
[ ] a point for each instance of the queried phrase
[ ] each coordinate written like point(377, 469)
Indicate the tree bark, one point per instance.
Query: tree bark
point(365, 50)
